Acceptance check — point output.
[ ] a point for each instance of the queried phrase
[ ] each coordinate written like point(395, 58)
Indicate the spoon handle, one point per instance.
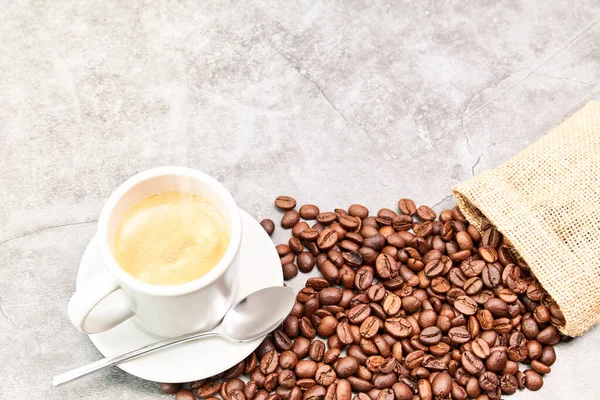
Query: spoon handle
point(84, 370)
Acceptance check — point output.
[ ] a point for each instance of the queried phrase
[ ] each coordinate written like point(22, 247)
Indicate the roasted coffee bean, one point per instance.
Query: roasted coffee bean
point(330, 296)
point(472, 267)
point(296, 245)
point(402, 391)
point(385, 265)
point(327, 238)
point(251, 364)
point(472, 387)
point(359, 313)
point(306, 328)
point(442, 385)
point(169, 388)
point(458, 392)
point(297, 231)
point(309, 211)
point(529, 328)
point(369, 327)
point(281, 340)
point(327, 326)
point(540, 367)
point(287, 379)
point(301, 346)
point(430, 336)
point(398, 327)
point(185, 394)
point(285, 202)
point(375, 242)
point(488, 381)
point(305, 369)
point(306, 261)
point(290, 218)
point(364, 277)
point(343, 332)
point(491, 237)
point(234, 384)
point(269, 362)
point(346, 366)
point(325, 375)
point(427, 318)
point(459, 335)
point(407, 206)
point(331, 355)
point(508, 384)
point(288, 359)
point(290, 270)
point(359, 385)
point(497, 307)
point(208, 389)
point(316, 351)
point(496, 361)
point(425, 391)
point(283, 249)
point(426, 213)
point(548, 335)
point(384, 381)
point(261, 394)
point(548, 355)
point(268, 225)
point(471, 363)
point(533, 380)
point(270, 382)
point(235, 371)
point(466, 305)
point(480, 348)
point(411, 304)
point(541, 314)
point(556, 316)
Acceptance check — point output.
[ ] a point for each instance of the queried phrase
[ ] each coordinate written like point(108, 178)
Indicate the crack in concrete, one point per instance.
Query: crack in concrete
point(316, 85)
point(558, 78)
point(536, 67)
point(489, 146)
point(465, 117)
point(45, 228)
point(442, 200)
point(6, 316)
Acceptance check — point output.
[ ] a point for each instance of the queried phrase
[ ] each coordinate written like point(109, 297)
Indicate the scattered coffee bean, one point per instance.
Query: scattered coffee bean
point(290, 218)
point(438, 312)
point(309, 211)
point(185, 394)
point(268, 225)
point(285, 203)
point(169, 388)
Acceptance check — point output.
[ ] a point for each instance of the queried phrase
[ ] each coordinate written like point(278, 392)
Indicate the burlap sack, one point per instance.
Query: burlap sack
point(546, 202)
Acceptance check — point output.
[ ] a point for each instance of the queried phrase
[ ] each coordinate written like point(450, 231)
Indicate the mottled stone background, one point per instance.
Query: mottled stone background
point(333, 102)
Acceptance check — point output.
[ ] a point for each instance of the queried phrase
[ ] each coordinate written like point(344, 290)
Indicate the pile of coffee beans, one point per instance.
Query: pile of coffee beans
point(407, 307)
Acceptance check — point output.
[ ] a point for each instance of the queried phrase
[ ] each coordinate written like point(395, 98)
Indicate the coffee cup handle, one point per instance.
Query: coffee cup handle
point(88, 296)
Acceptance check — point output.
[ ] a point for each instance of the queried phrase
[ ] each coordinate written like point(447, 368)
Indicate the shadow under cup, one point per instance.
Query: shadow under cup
point(192, 306)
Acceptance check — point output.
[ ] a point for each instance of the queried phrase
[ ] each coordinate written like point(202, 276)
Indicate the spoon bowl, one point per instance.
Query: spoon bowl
point(258, 314)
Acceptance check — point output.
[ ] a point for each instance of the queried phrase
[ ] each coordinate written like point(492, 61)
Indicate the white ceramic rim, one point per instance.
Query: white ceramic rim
point(188, 287)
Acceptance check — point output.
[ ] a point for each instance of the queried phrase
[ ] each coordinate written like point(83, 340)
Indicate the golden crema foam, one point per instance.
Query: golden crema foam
point(171, 238)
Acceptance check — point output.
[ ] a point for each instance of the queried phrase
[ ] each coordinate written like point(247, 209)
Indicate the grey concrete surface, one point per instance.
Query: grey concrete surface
point(333, 102)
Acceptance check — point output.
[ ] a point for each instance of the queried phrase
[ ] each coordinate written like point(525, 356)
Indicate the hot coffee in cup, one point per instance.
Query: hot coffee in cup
point(169, 239)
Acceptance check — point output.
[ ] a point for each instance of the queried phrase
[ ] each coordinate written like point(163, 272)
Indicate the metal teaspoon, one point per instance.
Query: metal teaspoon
point(249, 319)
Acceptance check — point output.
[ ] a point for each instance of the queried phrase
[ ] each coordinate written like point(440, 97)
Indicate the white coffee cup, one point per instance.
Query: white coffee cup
point(164, 310)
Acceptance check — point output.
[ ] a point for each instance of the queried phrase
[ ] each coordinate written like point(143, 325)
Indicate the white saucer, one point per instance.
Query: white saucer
point(204, 357)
